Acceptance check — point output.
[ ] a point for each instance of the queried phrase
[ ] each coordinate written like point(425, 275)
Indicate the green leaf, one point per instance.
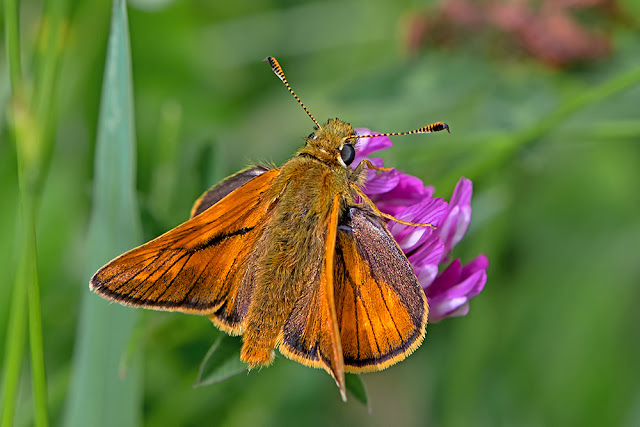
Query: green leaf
point(221, 362)
point(99, 395)
point(355, 386)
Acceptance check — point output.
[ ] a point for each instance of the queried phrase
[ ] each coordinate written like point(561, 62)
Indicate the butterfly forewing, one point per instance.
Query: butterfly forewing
point(381, 308)
point(199, 266)
point(222, 189)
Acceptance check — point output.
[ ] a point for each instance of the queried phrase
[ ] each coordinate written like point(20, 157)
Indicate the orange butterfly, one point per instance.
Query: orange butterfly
point(296, 258)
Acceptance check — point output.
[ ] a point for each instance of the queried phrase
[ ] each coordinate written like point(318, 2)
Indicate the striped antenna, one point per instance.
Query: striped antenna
point(433, 127)
point(278, 70)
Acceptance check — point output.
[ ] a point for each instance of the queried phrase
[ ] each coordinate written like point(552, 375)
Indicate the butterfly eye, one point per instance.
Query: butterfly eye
point(312, 136)
point(348, 153)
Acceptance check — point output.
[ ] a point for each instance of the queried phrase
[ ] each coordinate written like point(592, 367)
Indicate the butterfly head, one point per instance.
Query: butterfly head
point(332, 143)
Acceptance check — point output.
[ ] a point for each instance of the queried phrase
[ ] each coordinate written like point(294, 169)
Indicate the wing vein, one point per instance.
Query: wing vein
point(384, 300)
point(151, 283)
point(389, 311)
point(355, 310)
point(174, 278)
point(341, 254)
point(140, 271)
point(366, 312)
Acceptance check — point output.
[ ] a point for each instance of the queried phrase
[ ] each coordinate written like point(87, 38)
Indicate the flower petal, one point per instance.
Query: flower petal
point(455, 220)
point(467, 286)
point(425, 261)
point(446, 294)
point(409, 237)
point(364, 146)
point(380, 181)
point(408, 191)
point(481, 262)
point(448, 278)
point(442, 308)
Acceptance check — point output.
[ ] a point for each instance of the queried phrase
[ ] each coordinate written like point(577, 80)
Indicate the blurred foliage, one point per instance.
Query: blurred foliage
point(553, 152)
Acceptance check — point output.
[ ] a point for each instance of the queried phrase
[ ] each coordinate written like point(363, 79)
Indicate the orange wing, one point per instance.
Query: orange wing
point(381, 308)
point(198, 267)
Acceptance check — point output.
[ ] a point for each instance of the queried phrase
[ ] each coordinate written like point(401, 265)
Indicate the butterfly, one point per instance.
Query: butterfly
point(295, 258)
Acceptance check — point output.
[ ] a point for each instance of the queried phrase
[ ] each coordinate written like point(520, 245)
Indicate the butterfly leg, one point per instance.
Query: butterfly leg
point(369, 165)
point(387, 216)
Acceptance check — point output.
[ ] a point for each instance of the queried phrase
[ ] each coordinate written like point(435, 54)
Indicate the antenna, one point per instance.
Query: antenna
point(278, 70)
point(433, 127)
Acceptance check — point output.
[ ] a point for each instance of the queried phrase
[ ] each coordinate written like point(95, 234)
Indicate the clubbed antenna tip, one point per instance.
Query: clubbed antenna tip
point(277, 69)
point(433, 127)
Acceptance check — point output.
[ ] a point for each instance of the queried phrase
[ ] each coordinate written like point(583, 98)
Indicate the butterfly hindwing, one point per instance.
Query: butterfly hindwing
point(381, 308)
point(198, 267)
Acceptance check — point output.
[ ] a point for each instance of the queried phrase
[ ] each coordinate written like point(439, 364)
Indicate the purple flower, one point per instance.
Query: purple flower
point(450, 292)
point(448, 288)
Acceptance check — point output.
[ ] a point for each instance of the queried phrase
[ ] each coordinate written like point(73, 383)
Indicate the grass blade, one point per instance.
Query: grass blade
point(356, 388)
point(99, 395)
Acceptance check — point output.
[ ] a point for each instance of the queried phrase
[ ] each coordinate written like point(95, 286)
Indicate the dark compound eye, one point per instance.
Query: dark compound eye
point(348, 153)
point(312, 136)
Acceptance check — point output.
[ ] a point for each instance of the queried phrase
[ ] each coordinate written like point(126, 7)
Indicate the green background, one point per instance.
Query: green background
point(554, 155)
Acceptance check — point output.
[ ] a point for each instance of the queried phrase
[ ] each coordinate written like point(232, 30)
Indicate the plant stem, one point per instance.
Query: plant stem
point(12, 36)
point(35, 318)
point(28, 142)
point(44, 100)
point(14, 347)
point(502, 149)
